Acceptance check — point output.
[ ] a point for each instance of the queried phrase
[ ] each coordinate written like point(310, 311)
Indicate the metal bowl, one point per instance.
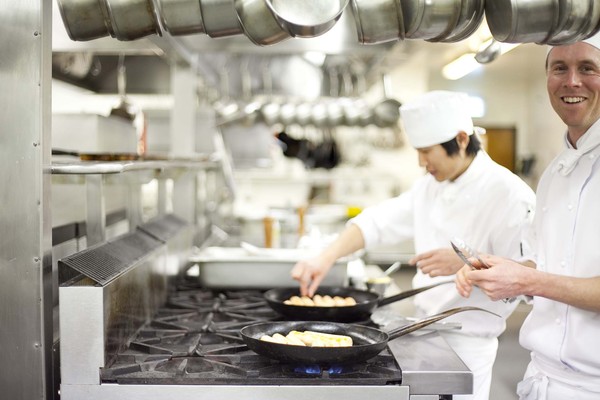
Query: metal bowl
point(307, 18)
point(378, 21)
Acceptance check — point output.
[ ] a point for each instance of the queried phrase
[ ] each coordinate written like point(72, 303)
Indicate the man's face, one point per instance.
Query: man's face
point(439, 164)
point(573, 84)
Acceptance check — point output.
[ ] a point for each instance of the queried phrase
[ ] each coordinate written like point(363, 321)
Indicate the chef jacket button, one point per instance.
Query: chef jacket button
point(563, 264)
point(557, 321)
point(570, 207)
point(544, 209)
point(592, 156)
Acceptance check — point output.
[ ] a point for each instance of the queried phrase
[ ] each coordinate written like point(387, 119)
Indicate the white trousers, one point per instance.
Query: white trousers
point(479, 355)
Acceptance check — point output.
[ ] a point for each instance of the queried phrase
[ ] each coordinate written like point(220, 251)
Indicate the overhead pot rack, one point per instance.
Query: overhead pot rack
point(266, 22)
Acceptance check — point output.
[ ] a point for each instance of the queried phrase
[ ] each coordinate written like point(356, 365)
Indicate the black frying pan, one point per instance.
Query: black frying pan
point(367, 341)
point(366, 302)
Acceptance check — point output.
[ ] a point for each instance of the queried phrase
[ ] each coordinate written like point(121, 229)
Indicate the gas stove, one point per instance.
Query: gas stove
point(194, 340)
point(130, 329)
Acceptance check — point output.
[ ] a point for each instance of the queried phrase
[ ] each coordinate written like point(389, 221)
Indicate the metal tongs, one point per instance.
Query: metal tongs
point(465, 252)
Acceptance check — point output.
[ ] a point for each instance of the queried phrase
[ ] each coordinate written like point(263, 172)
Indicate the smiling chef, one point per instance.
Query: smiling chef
point(563, 327)
point(463, 194)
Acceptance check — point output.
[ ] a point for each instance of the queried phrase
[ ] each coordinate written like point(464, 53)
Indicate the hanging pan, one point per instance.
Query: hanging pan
point(367, 341)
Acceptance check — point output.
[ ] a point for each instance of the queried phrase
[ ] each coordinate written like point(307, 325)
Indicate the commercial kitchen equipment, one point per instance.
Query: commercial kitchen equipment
point(126, 335)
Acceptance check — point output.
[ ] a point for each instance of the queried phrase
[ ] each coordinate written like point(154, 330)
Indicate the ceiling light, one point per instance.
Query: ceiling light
point(460, 67)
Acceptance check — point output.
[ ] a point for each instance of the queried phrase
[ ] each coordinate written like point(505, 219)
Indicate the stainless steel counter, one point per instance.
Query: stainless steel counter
point(430, 366)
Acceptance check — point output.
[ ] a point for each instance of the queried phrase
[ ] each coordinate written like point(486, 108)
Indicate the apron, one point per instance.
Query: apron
point(540, 383)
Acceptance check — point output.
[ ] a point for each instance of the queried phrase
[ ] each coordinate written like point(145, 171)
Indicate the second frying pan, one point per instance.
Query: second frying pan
point(367, 341)
point(366, 302)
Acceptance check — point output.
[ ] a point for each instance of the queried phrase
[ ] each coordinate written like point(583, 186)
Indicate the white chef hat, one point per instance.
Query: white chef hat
point(436, 117)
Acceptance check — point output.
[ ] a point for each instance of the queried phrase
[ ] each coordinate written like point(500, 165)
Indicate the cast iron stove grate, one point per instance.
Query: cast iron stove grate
point(194, 340)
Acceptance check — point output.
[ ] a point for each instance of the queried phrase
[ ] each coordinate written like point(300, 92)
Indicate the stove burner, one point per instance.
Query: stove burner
point(195, 339)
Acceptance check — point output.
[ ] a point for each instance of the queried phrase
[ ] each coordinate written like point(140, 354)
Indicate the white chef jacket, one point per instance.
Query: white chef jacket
point(565, 340)
point(488, 207)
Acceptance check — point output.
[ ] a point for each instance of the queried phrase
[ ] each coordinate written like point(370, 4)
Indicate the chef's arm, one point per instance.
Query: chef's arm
point(311, 272)
point(350, 240)
point(507, 278)
point(582, 293)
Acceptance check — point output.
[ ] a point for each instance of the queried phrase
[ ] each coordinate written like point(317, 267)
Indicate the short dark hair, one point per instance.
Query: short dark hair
point(473, 147)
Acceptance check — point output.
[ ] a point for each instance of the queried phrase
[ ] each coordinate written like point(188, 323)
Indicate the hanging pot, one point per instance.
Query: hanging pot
point(84, 19)
point(522, 21)
point(258, 23)
point(430, 20)
point(220, 18)
point(378, 21)
point(132, 19)
point(578, 19)
point(307, 18)
point(180, 17)
point(469, 19)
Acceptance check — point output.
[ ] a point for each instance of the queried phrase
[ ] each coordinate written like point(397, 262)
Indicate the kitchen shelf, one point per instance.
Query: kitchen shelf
point(117, 167)
point(133, 174)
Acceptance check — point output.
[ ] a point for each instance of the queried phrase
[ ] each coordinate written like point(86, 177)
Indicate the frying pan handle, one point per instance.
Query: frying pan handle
point(406, 329)
point(409, 293)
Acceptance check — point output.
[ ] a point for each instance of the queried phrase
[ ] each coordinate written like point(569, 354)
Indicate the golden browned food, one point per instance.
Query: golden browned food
point(310, 339)
point(320, 301)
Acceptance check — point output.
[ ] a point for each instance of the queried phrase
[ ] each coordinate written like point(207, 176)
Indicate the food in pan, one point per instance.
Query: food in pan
point(320, 301)
point(310, 339)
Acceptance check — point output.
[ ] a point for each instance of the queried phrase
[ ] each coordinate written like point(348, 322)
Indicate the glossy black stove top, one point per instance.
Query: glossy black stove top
point(195, 340)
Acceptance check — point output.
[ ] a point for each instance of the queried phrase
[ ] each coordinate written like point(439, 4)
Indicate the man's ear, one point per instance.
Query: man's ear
point(463, 139)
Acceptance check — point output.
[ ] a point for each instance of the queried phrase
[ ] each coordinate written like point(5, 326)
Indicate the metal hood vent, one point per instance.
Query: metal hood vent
point(107, 261)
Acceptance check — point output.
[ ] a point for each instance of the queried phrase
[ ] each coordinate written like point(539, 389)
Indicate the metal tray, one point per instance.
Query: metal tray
point(234, 267)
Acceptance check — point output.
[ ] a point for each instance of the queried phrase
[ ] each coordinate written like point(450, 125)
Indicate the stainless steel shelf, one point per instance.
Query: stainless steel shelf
point(117, 167)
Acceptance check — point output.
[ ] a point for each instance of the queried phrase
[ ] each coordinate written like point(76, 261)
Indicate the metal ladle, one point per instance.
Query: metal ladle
point(489, 53)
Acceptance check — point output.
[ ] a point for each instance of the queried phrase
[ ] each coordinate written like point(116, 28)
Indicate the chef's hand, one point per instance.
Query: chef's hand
point(439, 262)
point(310, 273)
point(502, 280)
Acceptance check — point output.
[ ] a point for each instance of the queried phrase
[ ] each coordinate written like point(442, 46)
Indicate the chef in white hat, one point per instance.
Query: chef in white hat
point(463, 194)
point(563, 329)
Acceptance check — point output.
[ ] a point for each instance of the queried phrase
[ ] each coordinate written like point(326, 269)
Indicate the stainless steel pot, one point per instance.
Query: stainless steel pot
point(180, 17)
point(577, 20)
point(430, 20)
point(378, 21)
point(220, 18)
point(469, 19)
point(386, 113)
point(522, 21)
point(258, 22)
point(307, 18)
point(84, 19)
point(132, 19)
